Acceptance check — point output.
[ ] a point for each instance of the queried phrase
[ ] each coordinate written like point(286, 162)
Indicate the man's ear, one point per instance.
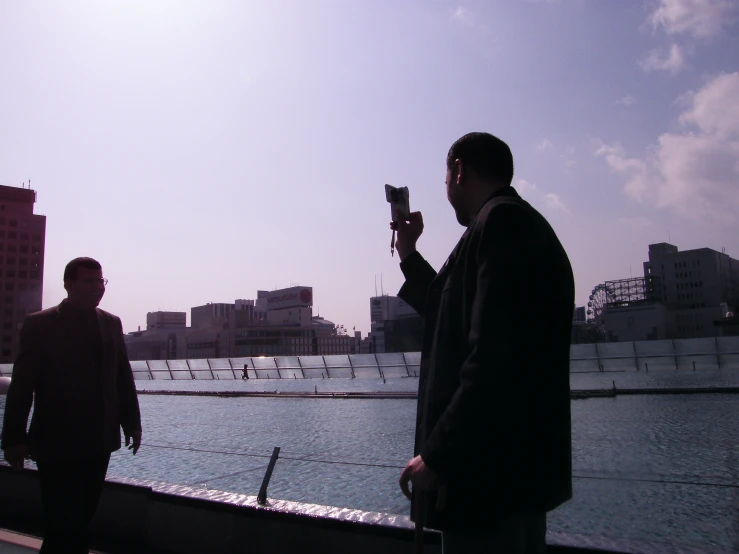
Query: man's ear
point(458, 172)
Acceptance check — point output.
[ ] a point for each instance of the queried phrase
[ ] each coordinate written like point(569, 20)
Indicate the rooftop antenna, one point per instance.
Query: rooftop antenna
point(375, 284)
point(382, 289)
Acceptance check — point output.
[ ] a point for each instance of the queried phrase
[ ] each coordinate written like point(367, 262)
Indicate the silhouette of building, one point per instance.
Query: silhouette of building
point(166, 320)
point(681, 295)
point(22, 242)
point(395, 326)
point(277, 323)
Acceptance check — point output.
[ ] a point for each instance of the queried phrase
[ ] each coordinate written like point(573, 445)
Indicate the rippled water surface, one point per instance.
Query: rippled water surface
point(646, 467)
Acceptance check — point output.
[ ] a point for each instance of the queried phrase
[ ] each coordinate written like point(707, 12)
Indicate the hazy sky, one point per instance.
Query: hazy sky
point(204, 150)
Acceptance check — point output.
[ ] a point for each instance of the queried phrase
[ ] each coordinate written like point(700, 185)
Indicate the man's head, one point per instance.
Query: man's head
point(477, 164)
point(83, 280)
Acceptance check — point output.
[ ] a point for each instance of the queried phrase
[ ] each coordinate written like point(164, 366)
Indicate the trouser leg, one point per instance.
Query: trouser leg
point(70, 492)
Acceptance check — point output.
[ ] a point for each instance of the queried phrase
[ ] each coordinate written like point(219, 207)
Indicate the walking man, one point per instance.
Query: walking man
point(73, 366)
point(493, 447)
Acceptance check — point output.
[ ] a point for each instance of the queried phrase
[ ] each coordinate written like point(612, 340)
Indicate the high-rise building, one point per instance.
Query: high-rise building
point(697, 286)
point(166, 320)
point(22, 240)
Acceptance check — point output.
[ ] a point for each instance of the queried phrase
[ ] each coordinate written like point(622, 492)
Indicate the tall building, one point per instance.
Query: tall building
point(697, 286)
point(166, 320)
point(395, 326)
point(22, 240)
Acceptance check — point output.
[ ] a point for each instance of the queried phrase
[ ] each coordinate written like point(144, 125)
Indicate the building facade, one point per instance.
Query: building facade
point(395, 326)
point(166, 320)
point(22, 244)
point(697, 285)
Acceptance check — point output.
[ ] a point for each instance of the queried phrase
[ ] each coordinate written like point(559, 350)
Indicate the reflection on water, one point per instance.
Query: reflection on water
point(647, 467)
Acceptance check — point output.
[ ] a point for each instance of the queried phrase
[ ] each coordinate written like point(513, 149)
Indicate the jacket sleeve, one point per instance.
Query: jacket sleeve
point(418, 277)
point(130, 415)
point(489, 406)
point(22, 385)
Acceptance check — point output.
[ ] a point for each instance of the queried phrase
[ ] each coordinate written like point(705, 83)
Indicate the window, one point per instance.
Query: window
point(12, 248)
point(12, 235)
point(11, 260)
point(24, 236)
point(36, 238)
point(7, 325)
point(23, 274)
point(23, 261)
point(10, 273)
point(14, 223)
point(6, 351)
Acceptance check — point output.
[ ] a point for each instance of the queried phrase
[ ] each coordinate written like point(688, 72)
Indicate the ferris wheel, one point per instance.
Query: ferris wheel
point(600, 297)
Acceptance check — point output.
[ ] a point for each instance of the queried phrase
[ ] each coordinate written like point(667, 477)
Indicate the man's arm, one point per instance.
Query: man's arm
point(130, 415)
point(474, 415)
point(22, 384)
point(418, 273)
point(418, 277)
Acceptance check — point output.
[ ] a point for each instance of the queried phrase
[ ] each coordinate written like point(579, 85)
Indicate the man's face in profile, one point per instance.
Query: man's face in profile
point(87, 289)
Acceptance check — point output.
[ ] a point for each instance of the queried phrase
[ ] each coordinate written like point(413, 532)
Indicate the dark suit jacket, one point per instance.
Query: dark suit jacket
point(79, 405)
point(494, 401)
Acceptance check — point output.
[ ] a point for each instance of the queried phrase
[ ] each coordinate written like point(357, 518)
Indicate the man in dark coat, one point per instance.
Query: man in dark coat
point(493, 439)
point(73, 366)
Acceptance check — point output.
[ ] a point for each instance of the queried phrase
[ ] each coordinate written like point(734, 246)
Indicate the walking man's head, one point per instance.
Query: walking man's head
point(477, 165)
point(84, 282)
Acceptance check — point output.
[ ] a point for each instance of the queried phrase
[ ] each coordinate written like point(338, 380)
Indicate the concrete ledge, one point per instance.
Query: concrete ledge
point(142, 516)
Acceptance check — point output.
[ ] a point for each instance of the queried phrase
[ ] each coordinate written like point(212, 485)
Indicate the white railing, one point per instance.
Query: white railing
point(721, 352)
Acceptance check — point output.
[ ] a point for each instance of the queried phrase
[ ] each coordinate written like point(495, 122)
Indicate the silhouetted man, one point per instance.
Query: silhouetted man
point(493, 448)
point(73, 365)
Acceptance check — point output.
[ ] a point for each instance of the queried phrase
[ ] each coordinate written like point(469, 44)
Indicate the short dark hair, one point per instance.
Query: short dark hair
point(70, 272)
point(489, 156)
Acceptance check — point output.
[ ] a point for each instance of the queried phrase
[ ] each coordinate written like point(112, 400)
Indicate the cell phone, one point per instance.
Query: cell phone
point(399, 202)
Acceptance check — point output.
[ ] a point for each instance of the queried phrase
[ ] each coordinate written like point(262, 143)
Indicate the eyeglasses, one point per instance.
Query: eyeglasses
point(103, 282)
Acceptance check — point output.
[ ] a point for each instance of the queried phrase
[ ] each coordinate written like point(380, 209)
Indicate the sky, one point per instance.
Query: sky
point(204, 150)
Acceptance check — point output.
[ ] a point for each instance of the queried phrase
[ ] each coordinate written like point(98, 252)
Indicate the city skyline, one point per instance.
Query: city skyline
point(201, 152)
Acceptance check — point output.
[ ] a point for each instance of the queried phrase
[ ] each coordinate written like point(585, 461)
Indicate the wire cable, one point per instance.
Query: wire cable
point(392, 466)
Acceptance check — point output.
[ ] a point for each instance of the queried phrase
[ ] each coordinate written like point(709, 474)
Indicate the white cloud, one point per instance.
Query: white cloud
point(463, 15)
point(626, 101)
point(545, 144)
point(699, 18)
point(635, 222)
point(554, 202)
point(531, 193)
point(673, 61)
point(694, 172)
point(524, 188)
point(467, 18)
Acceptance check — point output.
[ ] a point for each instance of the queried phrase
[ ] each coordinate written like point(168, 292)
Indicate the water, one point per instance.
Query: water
point(647, 467)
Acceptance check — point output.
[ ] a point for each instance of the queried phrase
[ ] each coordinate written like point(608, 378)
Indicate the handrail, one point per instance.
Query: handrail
point(361, 366)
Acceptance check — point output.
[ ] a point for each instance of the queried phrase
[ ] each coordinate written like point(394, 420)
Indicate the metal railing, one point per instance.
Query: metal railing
point(721, 352)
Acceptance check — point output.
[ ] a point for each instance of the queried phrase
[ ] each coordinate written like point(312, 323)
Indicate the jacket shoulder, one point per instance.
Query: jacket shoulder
point(44, 315)
point(108, 315)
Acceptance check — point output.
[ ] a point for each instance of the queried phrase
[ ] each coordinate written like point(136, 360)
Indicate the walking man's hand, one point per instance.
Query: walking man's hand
point(135, 440)
point(17, 455)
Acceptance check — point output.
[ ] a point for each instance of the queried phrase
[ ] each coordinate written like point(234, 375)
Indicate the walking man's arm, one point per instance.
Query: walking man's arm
point(20, 396)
